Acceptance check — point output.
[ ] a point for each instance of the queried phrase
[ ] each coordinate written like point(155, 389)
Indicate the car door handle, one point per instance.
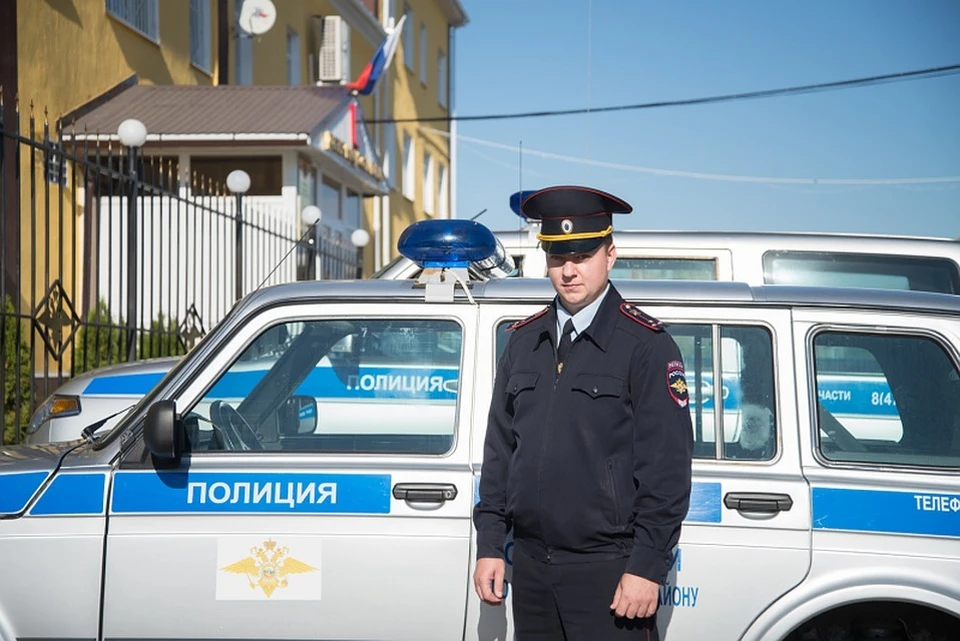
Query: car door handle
point(761, 502)
point(425, 492)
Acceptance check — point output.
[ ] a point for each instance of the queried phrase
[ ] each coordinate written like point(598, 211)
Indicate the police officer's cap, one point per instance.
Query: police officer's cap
point(574, 220)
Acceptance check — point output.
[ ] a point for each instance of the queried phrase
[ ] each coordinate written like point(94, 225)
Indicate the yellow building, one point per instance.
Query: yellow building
point(68, 54)
point(330, 42)
point(75, 60)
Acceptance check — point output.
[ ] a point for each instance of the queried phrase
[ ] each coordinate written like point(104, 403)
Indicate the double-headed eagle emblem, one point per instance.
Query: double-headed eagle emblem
point(267, 567)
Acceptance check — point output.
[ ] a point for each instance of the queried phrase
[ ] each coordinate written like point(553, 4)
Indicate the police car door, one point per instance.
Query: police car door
point(746, 538)
point(882, 420)
point(327, 492)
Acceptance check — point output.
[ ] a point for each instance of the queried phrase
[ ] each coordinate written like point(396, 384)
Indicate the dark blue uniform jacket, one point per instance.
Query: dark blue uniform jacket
point(592, 463)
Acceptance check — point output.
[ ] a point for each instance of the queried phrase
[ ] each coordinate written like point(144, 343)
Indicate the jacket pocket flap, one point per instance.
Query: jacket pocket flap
point(522, 381)
point(596, 385)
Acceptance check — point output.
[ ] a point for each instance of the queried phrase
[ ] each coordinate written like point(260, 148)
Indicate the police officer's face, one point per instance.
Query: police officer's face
point(580, 278)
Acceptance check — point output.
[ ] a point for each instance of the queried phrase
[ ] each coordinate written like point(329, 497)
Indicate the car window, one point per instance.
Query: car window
point(886, 399)
point(664, 268)
point(747, 420)
point(344, 386)
point(861, 270)
point(746, 393)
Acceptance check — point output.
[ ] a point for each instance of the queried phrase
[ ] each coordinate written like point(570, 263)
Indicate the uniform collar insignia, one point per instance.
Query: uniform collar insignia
point(529, 319)
point(635, 314)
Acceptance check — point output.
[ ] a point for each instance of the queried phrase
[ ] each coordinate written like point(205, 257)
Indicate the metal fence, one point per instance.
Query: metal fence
point(109, 257)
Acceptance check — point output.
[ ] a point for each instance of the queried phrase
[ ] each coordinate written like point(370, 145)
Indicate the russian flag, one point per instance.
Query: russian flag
point(364, 84)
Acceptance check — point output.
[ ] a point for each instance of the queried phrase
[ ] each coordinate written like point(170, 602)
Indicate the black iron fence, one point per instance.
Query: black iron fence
point(109, 256)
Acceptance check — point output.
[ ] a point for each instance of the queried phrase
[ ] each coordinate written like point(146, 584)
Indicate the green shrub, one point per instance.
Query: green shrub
point(100, 341)
point(17, 372)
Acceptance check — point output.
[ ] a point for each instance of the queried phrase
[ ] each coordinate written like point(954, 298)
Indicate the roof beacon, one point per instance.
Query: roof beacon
point(445, 249)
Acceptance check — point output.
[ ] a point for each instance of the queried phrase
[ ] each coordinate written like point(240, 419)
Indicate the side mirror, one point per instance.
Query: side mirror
point(163, 433)
point(303, 415)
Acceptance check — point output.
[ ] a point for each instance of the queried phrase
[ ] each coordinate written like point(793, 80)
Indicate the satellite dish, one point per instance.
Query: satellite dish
point(257, 16)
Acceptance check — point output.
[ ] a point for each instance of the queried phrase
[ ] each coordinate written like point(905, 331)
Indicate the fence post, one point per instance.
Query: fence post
point(132, 134)
point(238, 182)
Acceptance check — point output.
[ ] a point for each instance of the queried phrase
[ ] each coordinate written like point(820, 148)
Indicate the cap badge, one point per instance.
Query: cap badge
point(566, 225)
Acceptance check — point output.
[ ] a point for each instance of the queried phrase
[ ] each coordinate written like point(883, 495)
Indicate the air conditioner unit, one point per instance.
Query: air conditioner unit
point(333, 58)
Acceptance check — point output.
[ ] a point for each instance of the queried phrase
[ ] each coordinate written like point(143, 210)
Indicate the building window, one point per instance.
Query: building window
point(443, 208)
point(442, 79)
point(352, 210)
point(308, 183)
point(409, 167)
point(293, 58)
point(243, 60)
point(428, 186)
point(266, 172)
point(408, 37)
point(200, 34)
point(330, 200)
point(140, 15)
point(389, 153)
point(423, 54)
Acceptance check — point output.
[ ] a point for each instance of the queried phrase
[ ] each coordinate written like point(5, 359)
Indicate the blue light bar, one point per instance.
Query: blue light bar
point(446, 243)
point(517, 198)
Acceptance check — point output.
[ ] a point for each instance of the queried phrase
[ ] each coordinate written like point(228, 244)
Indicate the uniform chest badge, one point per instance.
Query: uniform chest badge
point(635, 314)
point(677, 383)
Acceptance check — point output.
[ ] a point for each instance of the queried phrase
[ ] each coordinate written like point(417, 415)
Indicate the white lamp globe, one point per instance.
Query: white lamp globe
point(360, 237)
point(132, 133)
point(238, 181)
point(310, 215)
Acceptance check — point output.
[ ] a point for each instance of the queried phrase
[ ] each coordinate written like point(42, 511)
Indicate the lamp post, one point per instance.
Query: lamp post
point(132, 134)
point(360, 238)
point(311, 218)
point(238, 182)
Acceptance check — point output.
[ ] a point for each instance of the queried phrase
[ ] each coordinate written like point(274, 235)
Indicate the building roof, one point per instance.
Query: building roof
point(196, 110)
point(455, 13)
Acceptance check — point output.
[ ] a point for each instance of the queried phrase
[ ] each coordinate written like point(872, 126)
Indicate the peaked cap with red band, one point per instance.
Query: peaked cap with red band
point(573, 219)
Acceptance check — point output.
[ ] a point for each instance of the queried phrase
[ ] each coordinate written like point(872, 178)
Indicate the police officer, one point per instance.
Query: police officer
point(588, 445)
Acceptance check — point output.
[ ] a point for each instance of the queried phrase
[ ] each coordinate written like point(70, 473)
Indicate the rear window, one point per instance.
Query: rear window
point(878, 271)
point(664, 269)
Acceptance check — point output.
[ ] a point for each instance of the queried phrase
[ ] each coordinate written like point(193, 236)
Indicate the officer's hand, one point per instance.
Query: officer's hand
point(488, 580)
point(635, 598)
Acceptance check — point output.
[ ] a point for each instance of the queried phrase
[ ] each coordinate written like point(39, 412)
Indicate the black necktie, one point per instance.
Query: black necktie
point(565, 341)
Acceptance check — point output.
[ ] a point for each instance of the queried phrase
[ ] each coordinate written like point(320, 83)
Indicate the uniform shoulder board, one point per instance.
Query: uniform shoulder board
point(635, 314)
point(528, 319)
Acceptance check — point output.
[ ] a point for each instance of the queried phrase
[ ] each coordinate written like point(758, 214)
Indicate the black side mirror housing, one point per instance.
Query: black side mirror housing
point(163, 431)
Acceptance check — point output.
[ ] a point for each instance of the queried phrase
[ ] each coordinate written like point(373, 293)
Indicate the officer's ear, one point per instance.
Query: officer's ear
point(611, 252)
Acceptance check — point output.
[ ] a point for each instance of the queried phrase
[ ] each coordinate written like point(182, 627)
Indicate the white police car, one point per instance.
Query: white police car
point(89, 398)
point(309, 469)
point(923, 264)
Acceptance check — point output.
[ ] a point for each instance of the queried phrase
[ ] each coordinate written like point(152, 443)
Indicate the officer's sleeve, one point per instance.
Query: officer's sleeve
point(663, 449)
point(490, 513)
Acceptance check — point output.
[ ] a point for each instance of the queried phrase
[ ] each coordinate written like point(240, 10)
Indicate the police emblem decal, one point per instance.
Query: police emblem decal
point(566, 226)
point(268, 570)
point(677, 383)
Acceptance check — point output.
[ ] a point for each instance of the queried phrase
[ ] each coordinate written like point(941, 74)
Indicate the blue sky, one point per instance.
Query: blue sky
point(528, 55)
